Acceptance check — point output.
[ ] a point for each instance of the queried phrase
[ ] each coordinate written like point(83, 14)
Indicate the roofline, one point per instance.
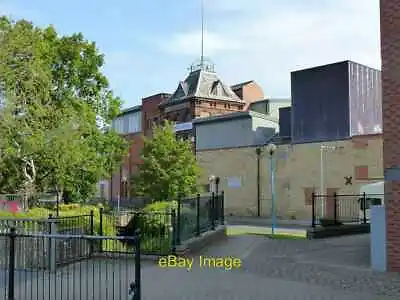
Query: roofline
point(272, 100)
point(238, 85)
point(132, 109)
point(334, 63)
point(191, 98)
point(233, 116)
point(158, 94)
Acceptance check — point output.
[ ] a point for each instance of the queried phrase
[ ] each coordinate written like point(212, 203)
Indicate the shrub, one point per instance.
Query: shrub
point(161, 206)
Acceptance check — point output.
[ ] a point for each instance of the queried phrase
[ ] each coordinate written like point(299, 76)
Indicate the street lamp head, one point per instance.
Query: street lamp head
point(271, 148)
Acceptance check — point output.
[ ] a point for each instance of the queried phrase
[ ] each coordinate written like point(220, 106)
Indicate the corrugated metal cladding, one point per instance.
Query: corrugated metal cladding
point(284, 121)
point(365, 100)
point(320, 103)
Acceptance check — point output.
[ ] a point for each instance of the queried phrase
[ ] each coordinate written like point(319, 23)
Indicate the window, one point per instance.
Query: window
point(211, 104)
point(124, 189)
point(361, 172)
point(118, 125)
point(359, 143)
point(267, 107)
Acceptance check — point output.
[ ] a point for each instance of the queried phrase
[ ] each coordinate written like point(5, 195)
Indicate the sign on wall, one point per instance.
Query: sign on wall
point(234, 182)
point(183, 126)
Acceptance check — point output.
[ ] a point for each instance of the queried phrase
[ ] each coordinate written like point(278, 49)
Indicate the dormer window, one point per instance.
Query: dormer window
point(214, 88)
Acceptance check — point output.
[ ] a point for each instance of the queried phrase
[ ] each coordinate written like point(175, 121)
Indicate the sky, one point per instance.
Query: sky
point(149, 45)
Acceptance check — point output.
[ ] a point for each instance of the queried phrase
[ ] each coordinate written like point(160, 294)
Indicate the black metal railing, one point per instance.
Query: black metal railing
point(99, 276)
point(156, 228)
point(162, 231)
point(68, 250)
point(198, 215)
point(343, 208)
point(79, 224)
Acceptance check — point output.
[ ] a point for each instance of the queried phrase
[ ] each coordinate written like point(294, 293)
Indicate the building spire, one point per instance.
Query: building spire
point(204, 64)
point(202, 35)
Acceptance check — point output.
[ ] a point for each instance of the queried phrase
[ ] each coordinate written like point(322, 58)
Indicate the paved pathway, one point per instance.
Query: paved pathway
point(278, 269)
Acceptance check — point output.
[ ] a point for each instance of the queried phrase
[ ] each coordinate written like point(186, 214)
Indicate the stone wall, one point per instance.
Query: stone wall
point(297, 172)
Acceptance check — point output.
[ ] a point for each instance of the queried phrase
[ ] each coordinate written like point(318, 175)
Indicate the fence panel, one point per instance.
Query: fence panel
point(343, 208)
point(99, 276)
point(349, 209)
point(156, 228)
point(194, 216)
point(24, 225)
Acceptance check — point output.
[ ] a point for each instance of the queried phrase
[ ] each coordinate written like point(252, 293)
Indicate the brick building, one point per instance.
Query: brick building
point(151, 111)
point(201, 94)
point(390, 49)
point(249, 91)
point(128, 124)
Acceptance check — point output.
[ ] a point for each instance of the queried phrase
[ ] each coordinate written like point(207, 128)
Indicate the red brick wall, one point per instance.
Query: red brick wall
point(129, 166)
point(390, 49)
point(150, 111)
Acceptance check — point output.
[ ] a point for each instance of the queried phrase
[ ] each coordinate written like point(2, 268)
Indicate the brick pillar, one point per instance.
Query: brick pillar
point(390, 48)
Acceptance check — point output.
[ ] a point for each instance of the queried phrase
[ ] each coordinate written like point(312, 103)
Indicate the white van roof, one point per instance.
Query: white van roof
point(376, 188)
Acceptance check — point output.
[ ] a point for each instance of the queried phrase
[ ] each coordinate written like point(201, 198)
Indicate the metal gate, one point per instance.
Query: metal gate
point(100, 276)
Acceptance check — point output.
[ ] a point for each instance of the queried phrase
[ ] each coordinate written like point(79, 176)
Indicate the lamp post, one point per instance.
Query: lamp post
point(271, 148)
point(217, 179)
point(211, 181)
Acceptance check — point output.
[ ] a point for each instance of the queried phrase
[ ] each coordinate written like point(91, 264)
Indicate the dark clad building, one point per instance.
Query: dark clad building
point(335, 102)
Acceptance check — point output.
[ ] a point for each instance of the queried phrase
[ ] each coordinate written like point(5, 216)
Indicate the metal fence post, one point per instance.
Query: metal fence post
point(173, 224)
point(364, 208)
point(213, 211)
point(335, 208)
point(52, 244)
point(198, 215)
point(11, 264)
point(101, 212)
point(91, 221)
point(222, 208)
point(217, 208)
point(313, 209)
point(137, 290)
point(178, 221)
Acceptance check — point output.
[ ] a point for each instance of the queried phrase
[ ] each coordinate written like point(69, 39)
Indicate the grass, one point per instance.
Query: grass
point(280, 233)
point(281, 236)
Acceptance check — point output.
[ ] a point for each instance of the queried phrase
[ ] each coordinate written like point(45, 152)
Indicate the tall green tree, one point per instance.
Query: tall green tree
point(56, 108)
point(169, 167)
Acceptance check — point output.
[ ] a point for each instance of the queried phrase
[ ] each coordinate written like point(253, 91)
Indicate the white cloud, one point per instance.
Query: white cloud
point(276, 37)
